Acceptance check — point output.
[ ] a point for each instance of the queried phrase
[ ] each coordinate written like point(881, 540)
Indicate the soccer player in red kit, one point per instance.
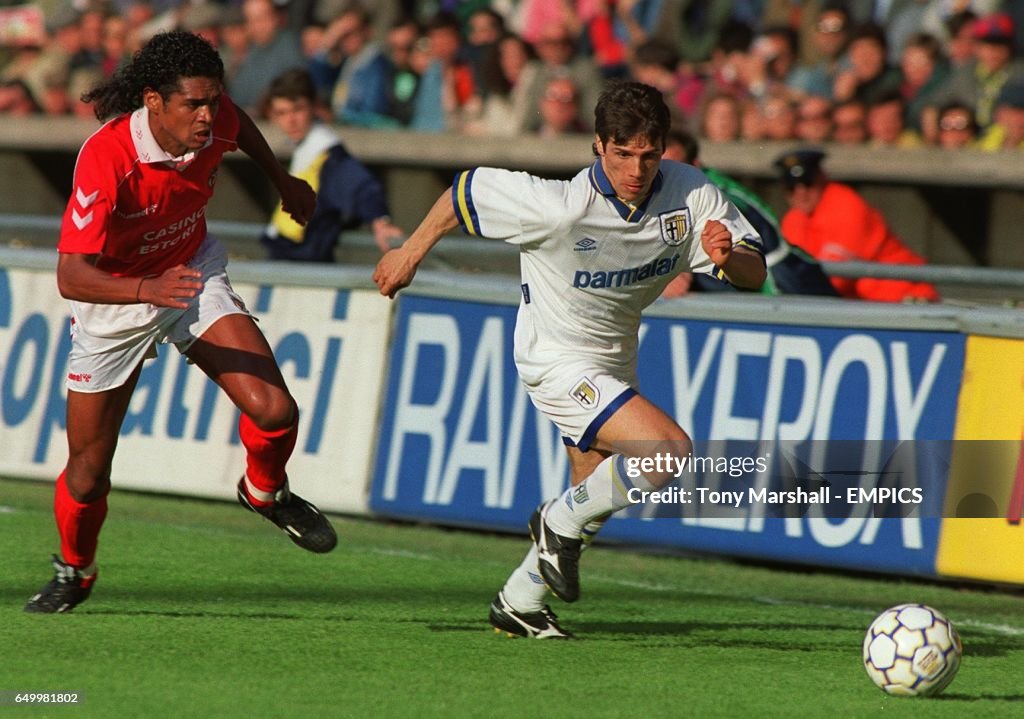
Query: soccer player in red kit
point(139, 269)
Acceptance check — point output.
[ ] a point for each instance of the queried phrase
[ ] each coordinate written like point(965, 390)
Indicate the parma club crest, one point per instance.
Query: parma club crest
point(585, 393)
point(675, 226)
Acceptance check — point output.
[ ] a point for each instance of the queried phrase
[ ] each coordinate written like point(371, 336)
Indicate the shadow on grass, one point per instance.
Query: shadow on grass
point(954, 697)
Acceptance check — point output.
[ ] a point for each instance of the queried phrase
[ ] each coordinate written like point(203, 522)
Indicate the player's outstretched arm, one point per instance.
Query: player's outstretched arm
point(79, 279)
point(297, 198)
point(397, 268)
point(742, 267)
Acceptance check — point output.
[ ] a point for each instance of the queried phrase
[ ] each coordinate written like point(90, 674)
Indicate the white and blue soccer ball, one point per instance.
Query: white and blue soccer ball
point(912, 650)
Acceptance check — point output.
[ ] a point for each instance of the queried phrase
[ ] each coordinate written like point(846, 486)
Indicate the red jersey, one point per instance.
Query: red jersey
point(141, 210)
point(844, 227)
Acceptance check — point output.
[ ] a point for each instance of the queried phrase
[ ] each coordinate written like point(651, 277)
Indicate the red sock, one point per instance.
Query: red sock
point(266, 455)
point(78, 524)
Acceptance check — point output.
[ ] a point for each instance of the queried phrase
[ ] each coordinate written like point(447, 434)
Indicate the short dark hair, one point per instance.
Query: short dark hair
point(628, 109)
point(656, 52)
point(869, 31)
point(294, 84)
point(159, 65)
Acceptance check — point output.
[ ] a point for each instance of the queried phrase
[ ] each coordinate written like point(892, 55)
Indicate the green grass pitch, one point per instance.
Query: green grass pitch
point(205, 610)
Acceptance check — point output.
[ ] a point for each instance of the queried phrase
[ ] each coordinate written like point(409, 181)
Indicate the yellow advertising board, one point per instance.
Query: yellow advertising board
point(983, 535)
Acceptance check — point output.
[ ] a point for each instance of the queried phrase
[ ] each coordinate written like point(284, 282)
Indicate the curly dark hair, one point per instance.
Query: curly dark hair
point(160, 64)
point(628, 109)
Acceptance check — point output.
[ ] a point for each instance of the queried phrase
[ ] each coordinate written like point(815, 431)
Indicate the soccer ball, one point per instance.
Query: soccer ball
point(912, 650)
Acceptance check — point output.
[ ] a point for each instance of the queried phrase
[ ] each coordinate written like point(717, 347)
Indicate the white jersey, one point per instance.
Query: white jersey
point(590, 262)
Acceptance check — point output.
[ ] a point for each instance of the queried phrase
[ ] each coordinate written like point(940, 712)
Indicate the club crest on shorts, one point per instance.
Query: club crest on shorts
point(585, 393)
point(675, 226)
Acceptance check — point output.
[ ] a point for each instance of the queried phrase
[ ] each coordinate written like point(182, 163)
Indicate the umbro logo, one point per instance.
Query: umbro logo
point(585, 245)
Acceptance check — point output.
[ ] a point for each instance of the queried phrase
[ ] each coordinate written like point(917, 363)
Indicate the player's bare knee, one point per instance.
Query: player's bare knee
point(275, 411)
point(85, 482)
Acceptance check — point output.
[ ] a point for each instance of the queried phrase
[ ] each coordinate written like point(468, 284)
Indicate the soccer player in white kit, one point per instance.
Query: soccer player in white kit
point(594, 252)
point(139, 269)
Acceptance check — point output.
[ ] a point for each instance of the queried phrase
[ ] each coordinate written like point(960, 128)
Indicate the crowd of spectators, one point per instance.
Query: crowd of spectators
point(899, 73)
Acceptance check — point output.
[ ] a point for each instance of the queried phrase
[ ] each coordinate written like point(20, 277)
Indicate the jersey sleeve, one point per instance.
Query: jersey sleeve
point(225, 124)
point(506, 205)
point(710, 203)
point(98, 172)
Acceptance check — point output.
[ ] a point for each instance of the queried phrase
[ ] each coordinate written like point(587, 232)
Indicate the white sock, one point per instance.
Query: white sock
point(602, 493)
point(589, 533)
point(525, 589)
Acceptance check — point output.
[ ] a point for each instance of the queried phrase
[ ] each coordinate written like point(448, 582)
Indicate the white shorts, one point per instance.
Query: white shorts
point(579, 398)
point(109, 341)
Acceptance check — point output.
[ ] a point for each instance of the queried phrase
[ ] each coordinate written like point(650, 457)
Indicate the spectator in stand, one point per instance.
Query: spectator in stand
point(401, 39)
point(54, 99)
point(924, 70)
point(90, 33)
point(959, 38)
point(348, 195)
point(560, 108)
point(115, 44)
point(612, 29)
point(978, 83)
point(16, 99)
point(902, 22)
point(234, 40)
point(137, 13)
point(534, 16)
point(485, 28)
point(203, 20)
point(730, 67)
point(81, 82)
point(508, 114)
point(52, 67)
point(831, 34)
point(558, 55)
point(849, 123)
point(869, 75)
point(698, 27)
point(603, 40)
point(721, 119)
point(790, 270)
point(814, 119)
point(957, 125)
point(637, 21)
point(833, 223)
point(272, 49)
point(774, 62)
point(446, 98)
point(655, 63)
point(780, 117)
point(361, 91)
point(752, 121)
point(886, 124)
point(1007, 129)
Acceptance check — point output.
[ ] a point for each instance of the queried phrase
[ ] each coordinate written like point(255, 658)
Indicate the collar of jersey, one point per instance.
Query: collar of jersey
point(629, 213)
point(149, 150)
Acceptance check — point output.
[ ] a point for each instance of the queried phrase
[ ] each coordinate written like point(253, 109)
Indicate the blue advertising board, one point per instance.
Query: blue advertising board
point(460, 442)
